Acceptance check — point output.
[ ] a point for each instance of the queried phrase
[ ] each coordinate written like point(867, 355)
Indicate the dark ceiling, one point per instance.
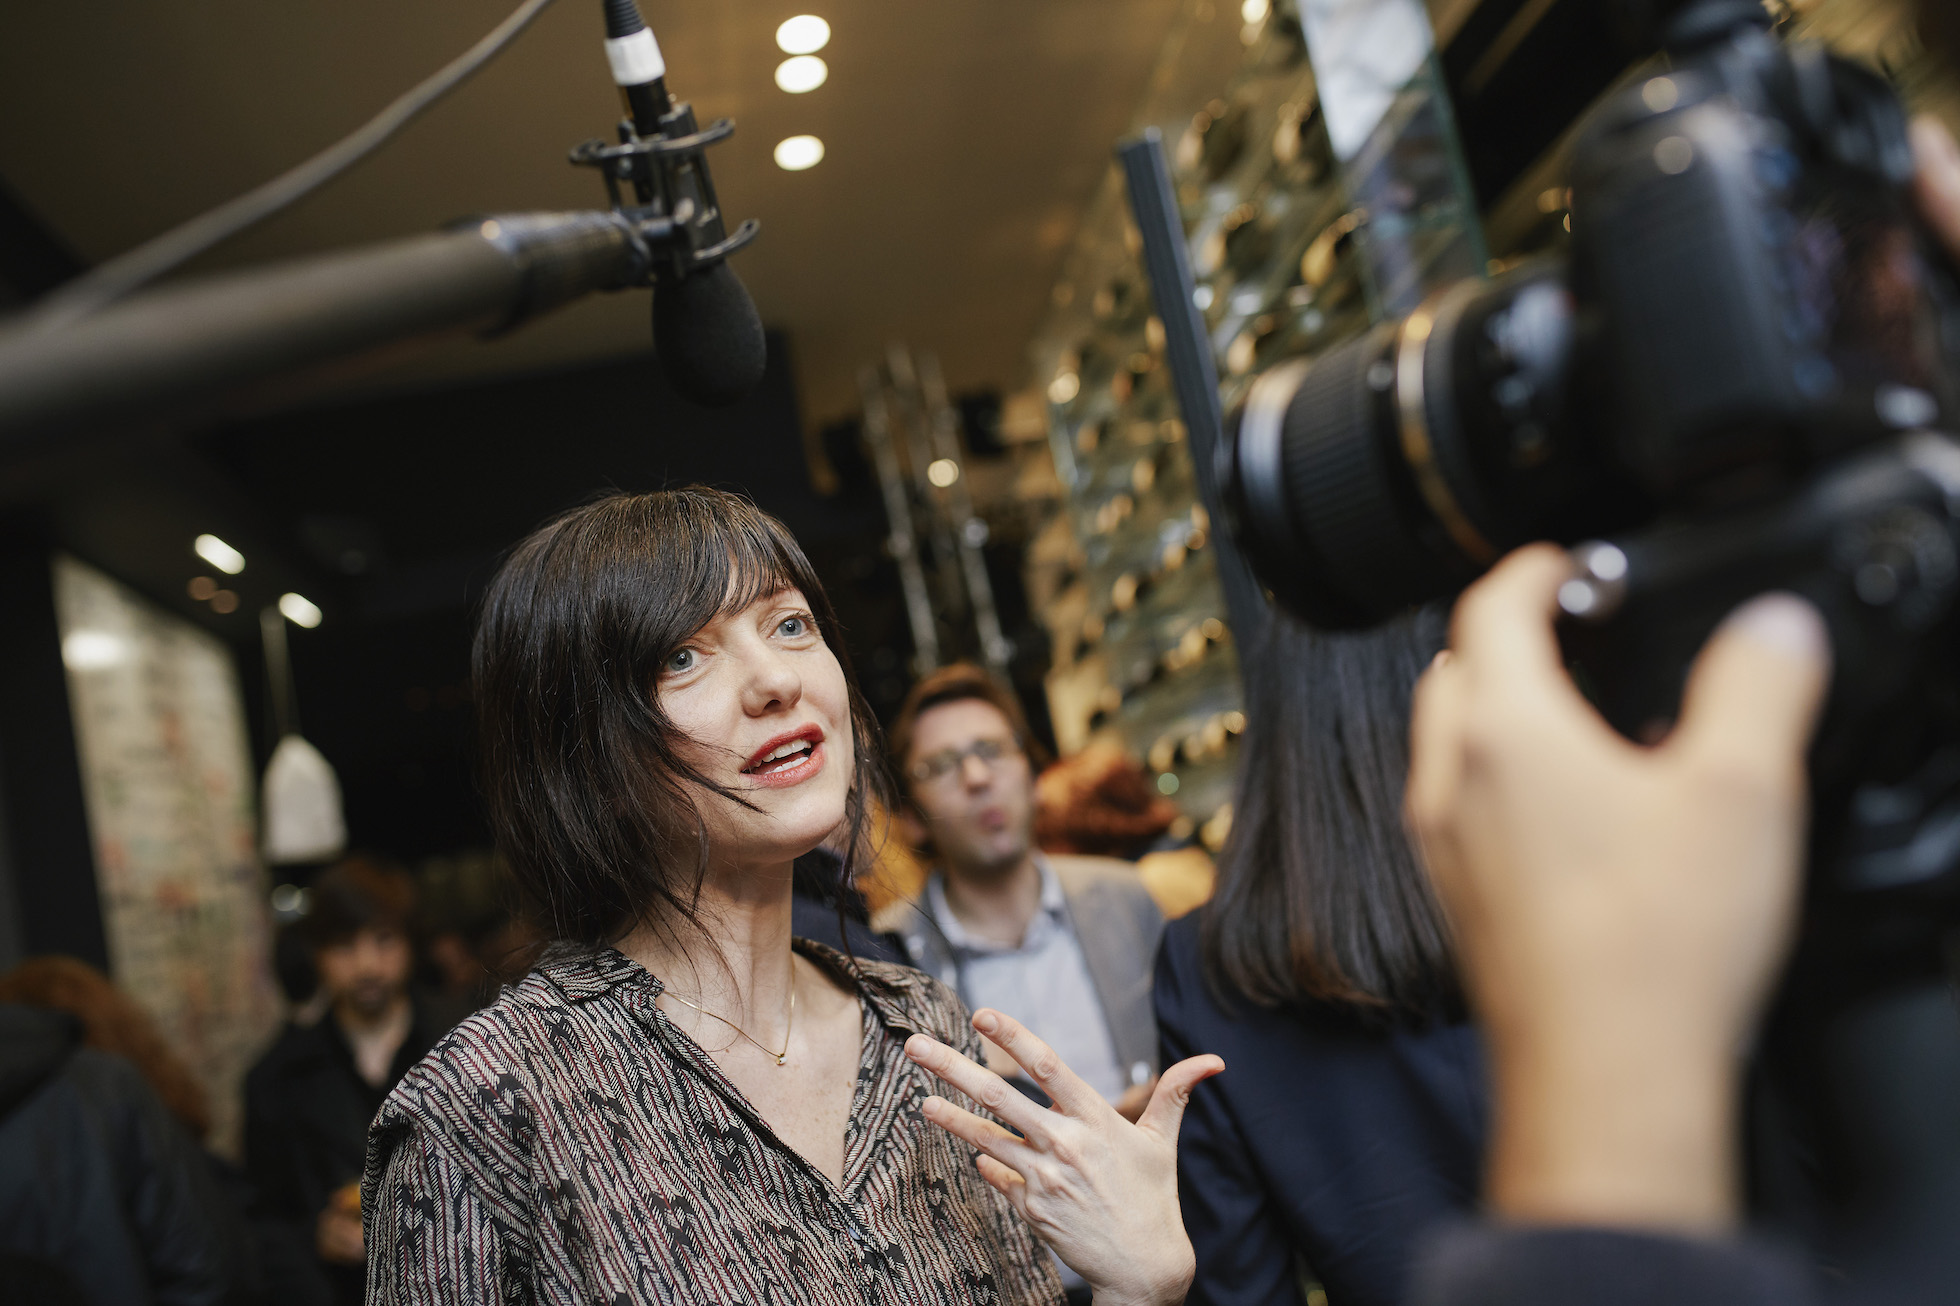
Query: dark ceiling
point(963, 139)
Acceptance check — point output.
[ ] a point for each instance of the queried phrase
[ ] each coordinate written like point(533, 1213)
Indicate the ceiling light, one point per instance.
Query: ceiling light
point(91, 650)
point(942, 472)
point(299, 611)
point(803, 34)
point(795, 153)
point(219, 554)
point(805, 72)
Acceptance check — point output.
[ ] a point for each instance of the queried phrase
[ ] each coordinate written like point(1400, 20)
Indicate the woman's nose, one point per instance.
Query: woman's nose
point(773, 682)
point(975, 773)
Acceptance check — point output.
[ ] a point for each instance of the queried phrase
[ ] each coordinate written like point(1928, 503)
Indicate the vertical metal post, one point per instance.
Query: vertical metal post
point(968, 530)
point(913, 420)
point(1194, 375)
point(904, 542)
point(278, 673)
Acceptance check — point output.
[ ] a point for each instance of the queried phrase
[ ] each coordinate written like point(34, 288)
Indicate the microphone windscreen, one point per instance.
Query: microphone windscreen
point(708, 336)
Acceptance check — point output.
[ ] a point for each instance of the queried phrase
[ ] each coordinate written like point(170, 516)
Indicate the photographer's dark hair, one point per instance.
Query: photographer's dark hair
point(1321, 898)
point(591, 802)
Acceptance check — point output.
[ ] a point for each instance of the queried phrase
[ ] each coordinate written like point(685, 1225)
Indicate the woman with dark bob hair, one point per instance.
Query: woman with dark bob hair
point(682, 1103)
point(1322, 971)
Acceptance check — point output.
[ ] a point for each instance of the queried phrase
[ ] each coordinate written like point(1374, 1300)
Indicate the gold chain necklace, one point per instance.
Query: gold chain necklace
point(788, 1025)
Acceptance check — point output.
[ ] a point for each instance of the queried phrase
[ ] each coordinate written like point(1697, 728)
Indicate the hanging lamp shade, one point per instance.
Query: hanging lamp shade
point(301, 804)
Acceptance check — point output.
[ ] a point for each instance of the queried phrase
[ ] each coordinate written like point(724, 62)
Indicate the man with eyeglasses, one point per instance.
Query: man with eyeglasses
point(1065, 943)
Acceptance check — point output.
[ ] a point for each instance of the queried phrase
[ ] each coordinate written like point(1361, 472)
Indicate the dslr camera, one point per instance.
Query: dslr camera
point(1735, 381)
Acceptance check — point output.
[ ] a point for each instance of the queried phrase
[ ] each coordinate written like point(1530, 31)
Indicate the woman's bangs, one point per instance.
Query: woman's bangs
point(755, 565)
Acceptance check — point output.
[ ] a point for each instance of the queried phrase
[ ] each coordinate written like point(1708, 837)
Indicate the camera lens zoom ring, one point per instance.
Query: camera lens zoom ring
point(1338, 475)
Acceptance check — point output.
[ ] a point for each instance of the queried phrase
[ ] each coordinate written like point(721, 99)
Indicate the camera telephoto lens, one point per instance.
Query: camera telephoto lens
point(1393, 469)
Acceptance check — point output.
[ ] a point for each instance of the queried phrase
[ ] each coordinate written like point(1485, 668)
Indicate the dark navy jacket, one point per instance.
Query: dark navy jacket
point(1324, 1143)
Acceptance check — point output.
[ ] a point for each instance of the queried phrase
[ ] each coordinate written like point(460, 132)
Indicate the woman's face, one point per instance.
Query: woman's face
point(762, 699)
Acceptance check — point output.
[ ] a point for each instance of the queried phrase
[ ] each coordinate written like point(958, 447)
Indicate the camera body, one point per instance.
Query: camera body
point(1729, 386)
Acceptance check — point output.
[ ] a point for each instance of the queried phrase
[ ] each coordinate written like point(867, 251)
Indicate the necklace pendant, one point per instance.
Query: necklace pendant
point(779, 1060)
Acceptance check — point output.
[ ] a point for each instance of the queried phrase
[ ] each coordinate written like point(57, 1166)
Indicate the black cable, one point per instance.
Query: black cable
point(140, 266)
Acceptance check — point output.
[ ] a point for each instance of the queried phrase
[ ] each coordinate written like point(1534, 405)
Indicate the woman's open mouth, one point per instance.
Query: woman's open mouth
point(787, 759)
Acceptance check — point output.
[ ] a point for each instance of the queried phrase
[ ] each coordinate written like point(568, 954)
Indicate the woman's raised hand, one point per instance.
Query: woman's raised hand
point(1099, 1190)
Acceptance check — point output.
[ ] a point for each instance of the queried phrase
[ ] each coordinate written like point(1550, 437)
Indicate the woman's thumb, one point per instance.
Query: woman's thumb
point(1165, 1114)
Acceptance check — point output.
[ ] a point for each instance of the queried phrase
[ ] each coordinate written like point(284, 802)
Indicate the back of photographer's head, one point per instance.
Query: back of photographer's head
point(1321, 897)
point(967, 764)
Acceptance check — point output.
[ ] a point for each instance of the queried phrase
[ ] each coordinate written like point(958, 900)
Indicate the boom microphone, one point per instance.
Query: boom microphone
point(705, 329)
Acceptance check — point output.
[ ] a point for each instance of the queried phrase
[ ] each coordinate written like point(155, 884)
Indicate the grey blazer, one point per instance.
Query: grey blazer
point(1117, 924)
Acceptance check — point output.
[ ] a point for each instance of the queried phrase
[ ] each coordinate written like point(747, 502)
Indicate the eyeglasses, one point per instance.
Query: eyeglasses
point(931, 770)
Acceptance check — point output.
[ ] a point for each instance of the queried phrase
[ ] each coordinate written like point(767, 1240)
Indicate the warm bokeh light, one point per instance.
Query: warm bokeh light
point(803, 34)
point(805, 72)
point(942, 472)
point(219, 554)
point(1064, 388)
point(795, 153)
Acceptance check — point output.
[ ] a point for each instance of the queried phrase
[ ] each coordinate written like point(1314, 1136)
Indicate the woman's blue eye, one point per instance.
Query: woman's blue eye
point(794, 626)
point(681, 660)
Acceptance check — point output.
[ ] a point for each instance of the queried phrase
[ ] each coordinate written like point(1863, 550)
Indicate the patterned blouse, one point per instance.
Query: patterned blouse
point(570, 1145)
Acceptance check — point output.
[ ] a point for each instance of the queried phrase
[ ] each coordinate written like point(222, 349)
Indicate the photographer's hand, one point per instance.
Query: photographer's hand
point(1620, 910)
point(1099, 1190)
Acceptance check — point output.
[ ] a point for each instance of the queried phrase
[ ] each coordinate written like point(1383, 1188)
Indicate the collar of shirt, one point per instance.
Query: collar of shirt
point(1050, 916)
point(584, 975)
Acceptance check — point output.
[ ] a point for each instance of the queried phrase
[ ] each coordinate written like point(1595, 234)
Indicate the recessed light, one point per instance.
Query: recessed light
point(805, 72)
point(803, 34)
point(795, 153)
point(219, 554)
point(299, 610)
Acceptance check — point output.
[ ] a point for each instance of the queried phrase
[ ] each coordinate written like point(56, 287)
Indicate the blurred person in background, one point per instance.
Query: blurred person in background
point(1100, 803)
point(832, 909)
point(112, 1022)
point(310, 1099)
point(456, 964)
point(292, 968)
point(106, 1197)
point(1067, 940)
point(1353, 1116)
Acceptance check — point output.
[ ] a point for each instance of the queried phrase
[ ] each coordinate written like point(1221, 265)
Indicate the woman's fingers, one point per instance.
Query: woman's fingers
point(1005, 1180)
point(979, 1083)
point(1063, 1086)
point(984, 1135)
point(1166, 1110)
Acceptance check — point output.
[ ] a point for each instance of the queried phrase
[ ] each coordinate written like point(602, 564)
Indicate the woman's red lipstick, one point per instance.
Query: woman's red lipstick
point(801, 756)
